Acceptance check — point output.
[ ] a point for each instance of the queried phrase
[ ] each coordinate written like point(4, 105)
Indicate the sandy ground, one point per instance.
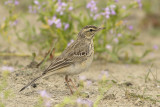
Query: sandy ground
point(128, 90)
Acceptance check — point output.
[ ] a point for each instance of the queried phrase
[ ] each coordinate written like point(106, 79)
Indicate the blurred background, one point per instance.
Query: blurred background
point(126, 61)
point(33, 26)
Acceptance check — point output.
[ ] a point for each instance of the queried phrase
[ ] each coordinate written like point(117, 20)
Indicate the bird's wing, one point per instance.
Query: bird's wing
point(76, 52)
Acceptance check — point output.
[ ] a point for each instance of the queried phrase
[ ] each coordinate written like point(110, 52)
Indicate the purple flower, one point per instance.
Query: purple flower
point(14, 23)
point(155, 47)
point(70, 42)
point(105, 73)
point(124, 7)
point(52, 21)
point(34, 11)
point(70, 8)
point(110, 10)
point(44, 94)
point(55, 21)
point(36, 2)
point(8, 2)
point(89, 82)
point(46, 97)
point(139, 3)
point(82, 77)
point(119, 34)
point(89, 103)
point(47, 103)
point(116, 0)
point(109, 47)
point(39, 7)
point(7, 68)
point(31, 9)
point(79, 100)
point(112, 7)
point(66, 26)
point(107, 13)
point(61, 7)
point(4, 18)
point(85, 101)
point(92, 6)
point(93, 9)
point(58, 24)
point(16, 2)
point(96, 16)
point(113, 12)
point(116, 40)
point(130, 27)
point(111, 31)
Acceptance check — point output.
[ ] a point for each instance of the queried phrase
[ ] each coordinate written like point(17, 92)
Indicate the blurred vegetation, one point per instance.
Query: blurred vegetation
point(4, 92)
point(151, 20)
point(62, 20)
point(151, 6)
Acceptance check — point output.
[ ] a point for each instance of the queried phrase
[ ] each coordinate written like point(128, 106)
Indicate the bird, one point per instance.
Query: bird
point(76, 58)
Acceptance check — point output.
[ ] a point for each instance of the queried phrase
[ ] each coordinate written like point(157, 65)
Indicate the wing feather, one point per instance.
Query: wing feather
point(76, 52)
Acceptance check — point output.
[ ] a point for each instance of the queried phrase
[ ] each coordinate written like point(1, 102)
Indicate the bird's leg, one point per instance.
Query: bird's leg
point(70, 80)
point(66, 78)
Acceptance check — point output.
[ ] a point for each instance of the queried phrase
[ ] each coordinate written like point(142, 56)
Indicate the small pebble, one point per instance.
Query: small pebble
point(34, 85)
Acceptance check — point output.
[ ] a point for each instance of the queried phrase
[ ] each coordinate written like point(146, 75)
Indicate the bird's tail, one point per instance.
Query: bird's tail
point(31, 82)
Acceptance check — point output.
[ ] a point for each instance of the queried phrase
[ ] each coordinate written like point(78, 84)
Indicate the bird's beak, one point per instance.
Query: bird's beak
point(101, 28)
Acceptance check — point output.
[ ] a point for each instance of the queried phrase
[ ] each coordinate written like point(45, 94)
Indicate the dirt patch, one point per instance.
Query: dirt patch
point(129, 85)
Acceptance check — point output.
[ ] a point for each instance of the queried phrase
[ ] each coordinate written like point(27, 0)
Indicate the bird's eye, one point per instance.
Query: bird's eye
point(91, 30)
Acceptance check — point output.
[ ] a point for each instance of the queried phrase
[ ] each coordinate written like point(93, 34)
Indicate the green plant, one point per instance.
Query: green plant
point(63, 20)
point(4, 92)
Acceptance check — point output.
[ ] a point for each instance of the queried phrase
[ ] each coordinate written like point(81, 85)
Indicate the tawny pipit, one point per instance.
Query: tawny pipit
point(75, 59)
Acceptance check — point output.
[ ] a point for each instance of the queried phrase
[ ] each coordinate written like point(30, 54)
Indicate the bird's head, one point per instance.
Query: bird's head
point(89, 31)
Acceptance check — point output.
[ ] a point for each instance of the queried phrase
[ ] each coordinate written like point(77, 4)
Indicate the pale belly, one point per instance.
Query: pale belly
point(73, 69)
point(80, 67)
